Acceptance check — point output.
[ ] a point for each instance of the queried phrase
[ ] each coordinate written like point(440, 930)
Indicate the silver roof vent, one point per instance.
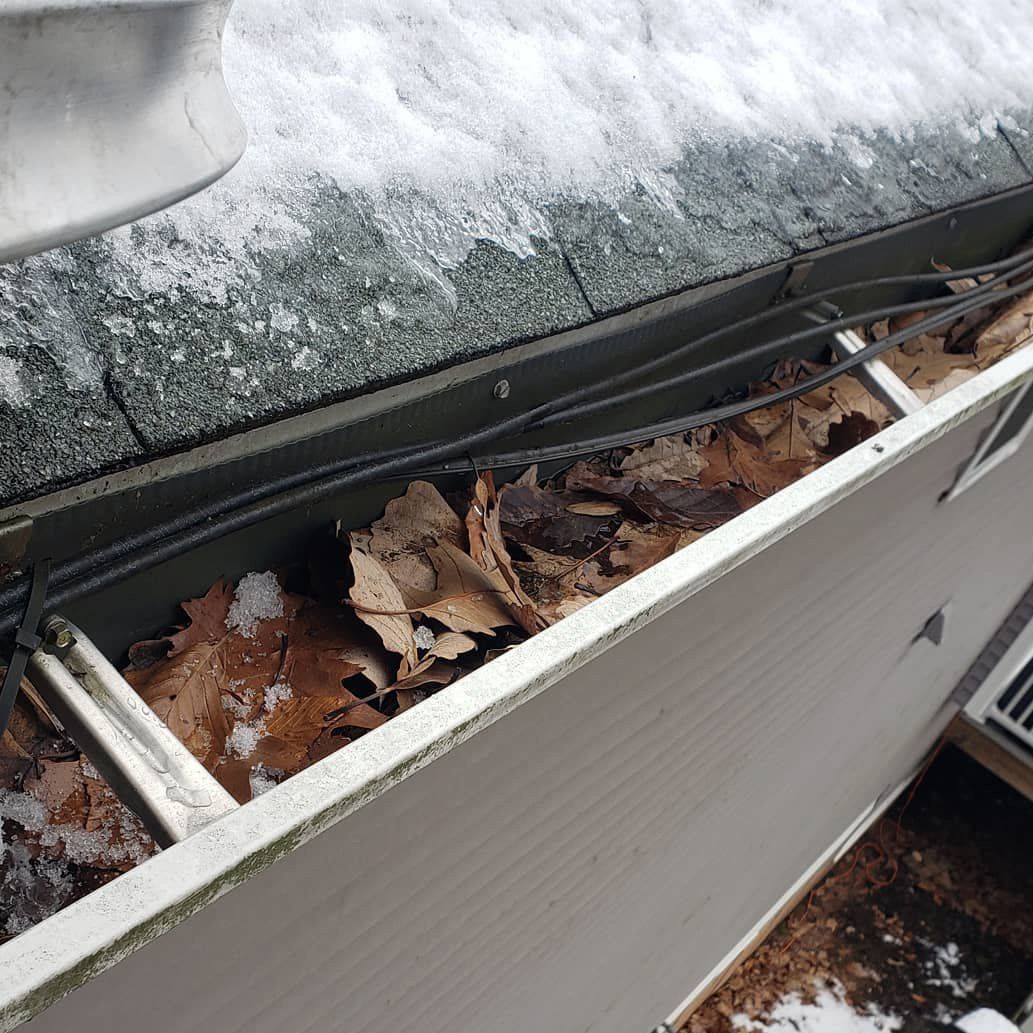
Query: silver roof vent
point(109, 110)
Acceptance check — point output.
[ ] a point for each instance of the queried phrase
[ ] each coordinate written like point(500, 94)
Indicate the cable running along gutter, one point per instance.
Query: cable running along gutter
point(110, 564)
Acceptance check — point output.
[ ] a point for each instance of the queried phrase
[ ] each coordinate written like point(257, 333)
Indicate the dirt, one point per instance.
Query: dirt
point(928, 918)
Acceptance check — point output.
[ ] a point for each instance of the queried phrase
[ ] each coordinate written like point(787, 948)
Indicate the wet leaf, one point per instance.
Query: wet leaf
point(185, 692)
point(669, 502)
point(556, 521)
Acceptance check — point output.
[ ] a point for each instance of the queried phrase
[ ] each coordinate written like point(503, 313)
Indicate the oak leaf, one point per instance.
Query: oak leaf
point(488, 549)
point(555, 521)
point(669, 502)
point(411, 523)
point(665, 459)
point(380, 605)
point(466, 598)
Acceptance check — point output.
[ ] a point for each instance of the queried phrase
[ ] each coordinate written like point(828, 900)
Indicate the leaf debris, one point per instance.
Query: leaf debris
point(259, 682)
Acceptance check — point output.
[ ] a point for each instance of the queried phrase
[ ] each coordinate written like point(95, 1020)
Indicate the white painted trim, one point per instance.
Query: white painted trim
point(978, 466)
point(829, 857)
point(93, 934)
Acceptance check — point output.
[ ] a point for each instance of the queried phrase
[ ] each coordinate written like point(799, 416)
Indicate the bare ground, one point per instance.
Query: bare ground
point(929, 917)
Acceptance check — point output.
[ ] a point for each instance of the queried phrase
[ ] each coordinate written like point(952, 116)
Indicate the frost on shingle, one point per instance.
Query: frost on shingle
point(258, 598)
point(12, 390)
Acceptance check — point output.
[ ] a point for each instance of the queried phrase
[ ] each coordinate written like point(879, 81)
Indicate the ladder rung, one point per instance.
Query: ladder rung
point(880, 380)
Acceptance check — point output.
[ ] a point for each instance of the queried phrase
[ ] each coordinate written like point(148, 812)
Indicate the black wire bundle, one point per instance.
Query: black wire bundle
point(143, 550)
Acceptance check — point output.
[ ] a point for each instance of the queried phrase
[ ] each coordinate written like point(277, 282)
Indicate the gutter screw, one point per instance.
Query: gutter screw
point(501, 389)
point(59, 636)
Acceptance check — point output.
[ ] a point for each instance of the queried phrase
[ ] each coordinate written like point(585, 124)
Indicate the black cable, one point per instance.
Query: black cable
point(587, 408)
point(226, 514)
point(112, 563)
point(728, 411)
point(26, 640)
point(1009, 266)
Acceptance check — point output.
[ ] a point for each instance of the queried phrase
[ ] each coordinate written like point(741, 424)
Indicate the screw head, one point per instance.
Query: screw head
point(59, 635)
point(501, 389)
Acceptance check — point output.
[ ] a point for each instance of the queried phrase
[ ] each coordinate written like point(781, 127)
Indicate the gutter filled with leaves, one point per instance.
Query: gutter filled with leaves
point(270, 675)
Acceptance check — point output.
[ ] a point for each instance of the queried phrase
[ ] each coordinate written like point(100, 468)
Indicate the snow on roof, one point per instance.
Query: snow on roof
point(489, 110)
point(430, 182)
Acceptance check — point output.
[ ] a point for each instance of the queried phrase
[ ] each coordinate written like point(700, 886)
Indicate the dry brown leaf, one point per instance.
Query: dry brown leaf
point(380, 605)
point(450, 644)
point(488, 549)
point(419, 518)
point(761, 472)
point(467, 598)
point(407, 691)
point(529, 476)
point(1006, 332)
point(670, 502)
point(927, 369)
point(596, 509)
point(665, 459)
point(760, 424)
point(636, 549)
point(326, 647)
point(849, 431)
point(295, 724)
point(207, 623)
point(965, 283)
point(716, 452)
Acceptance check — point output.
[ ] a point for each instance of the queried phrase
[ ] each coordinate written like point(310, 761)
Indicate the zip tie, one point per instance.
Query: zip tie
point(26, 640)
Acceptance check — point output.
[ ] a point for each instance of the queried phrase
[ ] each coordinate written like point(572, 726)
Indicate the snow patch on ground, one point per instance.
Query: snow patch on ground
point(461, 119)
point(829, 1013)
point(945, 968)
point(256, 599)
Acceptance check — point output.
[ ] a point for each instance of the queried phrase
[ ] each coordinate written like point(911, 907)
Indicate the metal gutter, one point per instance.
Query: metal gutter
point(60, 954)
